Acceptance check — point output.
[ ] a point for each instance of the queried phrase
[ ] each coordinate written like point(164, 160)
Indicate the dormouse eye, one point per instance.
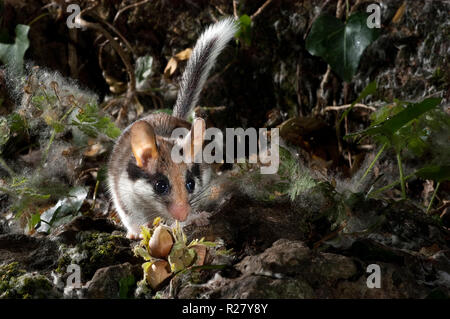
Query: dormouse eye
point(190, 185)
point(161, 187)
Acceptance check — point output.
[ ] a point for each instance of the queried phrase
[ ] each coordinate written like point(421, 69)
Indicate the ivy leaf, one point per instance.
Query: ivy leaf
point(340, 44)
point(64, 210)
point(143, 70)
point(12, 54)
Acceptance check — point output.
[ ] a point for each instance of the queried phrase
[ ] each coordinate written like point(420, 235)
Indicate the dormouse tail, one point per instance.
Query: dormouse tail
point(208, 47)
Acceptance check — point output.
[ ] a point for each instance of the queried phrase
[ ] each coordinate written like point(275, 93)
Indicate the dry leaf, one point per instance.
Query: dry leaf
point(172, 65)
point(399, 14)
point(94, 150)
point(200, 250)
point(183, 55)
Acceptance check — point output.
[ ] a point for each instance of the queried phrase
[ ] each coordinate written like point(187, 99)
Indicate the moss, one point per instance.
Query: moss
point(93, 251)
point(126, 285)
point(8, 274)
point(440, 79)
point(34, 286)
point(63, 262)
point(16, 283)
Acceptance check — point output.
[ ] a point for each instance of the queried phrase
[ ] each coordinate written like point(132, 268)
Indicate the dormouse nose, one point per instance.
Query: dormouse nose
point(179, 211)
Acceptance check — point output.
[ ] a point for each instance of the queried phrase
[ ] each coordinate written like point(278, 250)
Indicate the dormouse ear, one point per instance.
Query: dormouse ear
point(143, 143)
point(193, 142)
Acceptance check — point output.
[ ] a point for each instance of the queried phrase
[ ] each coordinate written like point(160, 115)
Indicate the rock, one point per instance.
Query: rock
point(33, 253)
point(288, 269)
point(67, 233)
point(94, 250)
point(118, 281)
point(16, 283)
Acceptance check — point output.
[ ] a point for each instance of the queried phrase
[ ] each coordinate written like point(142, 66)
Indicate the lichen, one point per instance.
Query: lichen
point(93, 251)
point(16, 283)
point(8, 274)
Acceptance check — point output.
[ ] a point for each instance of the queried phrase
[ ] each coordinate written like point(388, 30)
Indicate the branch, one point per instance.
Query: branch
point(134, 5)
point(346, 106)
point(131, 92)
point(254, 15)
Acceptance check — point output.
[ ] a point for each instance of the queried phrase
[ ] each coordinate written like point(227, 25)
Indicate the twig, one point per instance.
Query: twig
point(260, 9)
point(235, 9)
point(322, 89)
point(346, 106)
point(329, 236)
point(340, 9)
point(325, 3)
point(96, 26)
point(125, 41)
point(220, 10)
point(134, 5)
point(355, 6)
point(94, 197)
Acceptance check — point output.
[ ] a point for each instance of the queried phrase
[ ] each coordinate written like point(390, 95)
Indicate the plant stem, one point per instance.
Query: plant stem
point(402, 178)
point(432, 197)
point(7, 191)
point(6, 167)
point(94, 197)
point(50, 142)
point(38, 18)
point(68, 112)
point(382, 189)
point(347, 9)
point(373, 162)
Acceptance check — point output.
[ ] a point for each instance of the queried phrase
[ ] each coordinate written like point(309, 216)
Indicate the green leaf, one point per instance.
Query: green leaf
point(393, 124)
point(65, 209)
point(34, 220)
point(371, 88)
point(435, 173)
point(91, 123)
point(340, 44)
point(125, 285)
point(17, 123)
point(143, 69)
point(12, 54)
point(245, 29)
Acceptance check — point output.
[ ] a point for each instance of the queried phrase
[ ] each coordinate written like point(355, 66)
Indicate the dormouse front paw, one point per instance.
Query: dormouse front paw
point(133, 236)
point(134, 233)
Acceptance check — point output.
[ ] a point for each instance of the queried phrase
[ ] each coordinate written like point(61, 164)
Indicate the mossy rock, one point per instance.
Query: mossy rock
point(17, 284)
point(95, 250)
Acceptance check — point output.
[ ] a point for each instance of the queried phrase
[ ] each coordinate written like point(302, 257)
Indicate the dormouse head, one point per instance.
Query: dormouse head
point(172, 187)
